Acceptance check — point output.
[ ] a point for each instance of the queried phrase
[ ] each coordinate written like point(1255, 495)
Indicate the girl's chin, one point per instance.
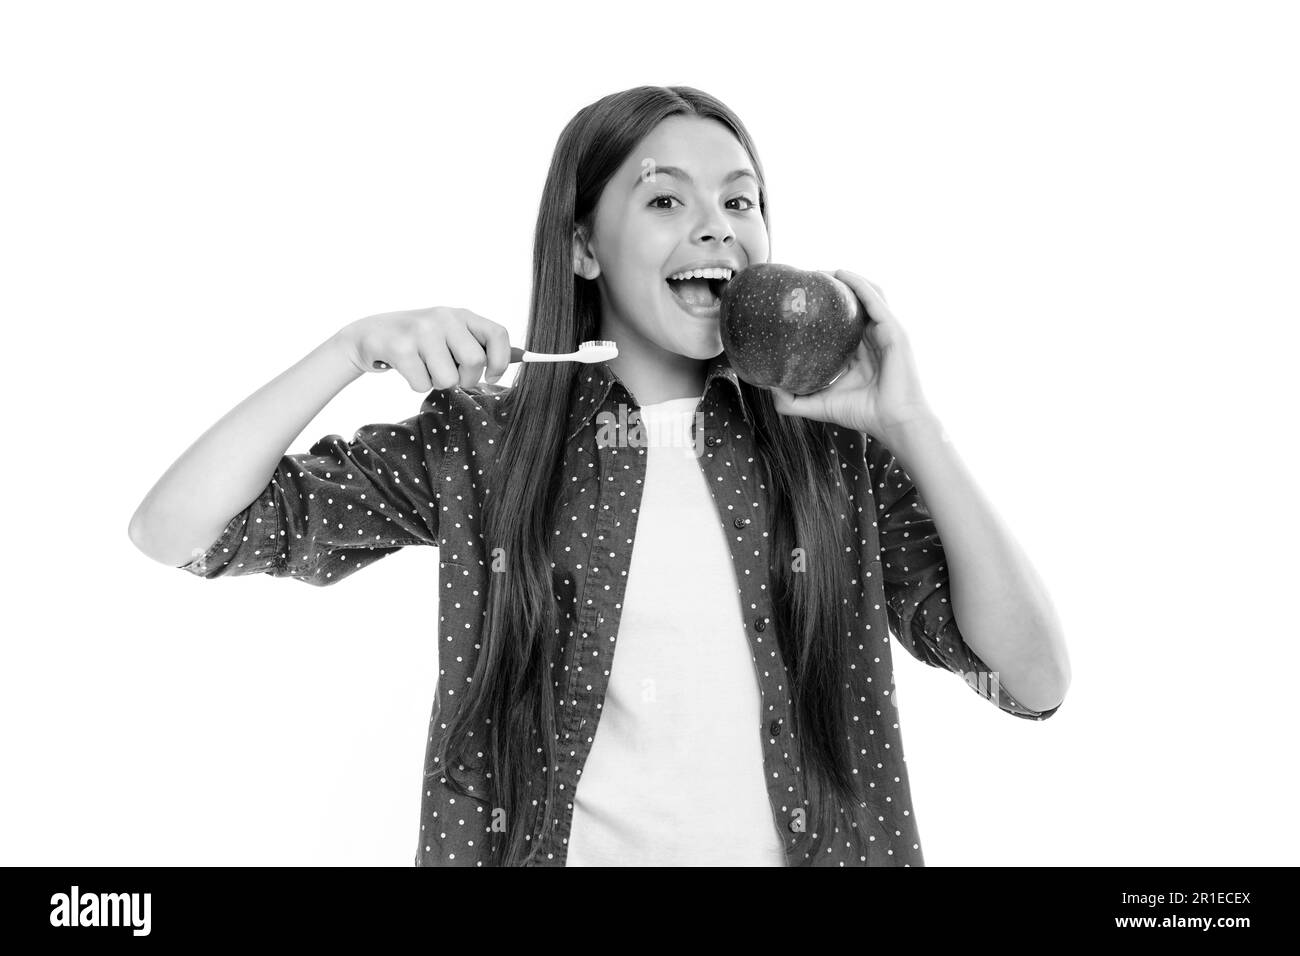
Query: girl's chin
point(701, 344)
point(696, 326)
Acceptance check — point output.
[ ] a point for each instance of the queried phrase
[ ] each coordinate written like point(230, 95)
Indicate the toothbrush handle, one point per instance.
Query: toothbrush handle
point(518, 354)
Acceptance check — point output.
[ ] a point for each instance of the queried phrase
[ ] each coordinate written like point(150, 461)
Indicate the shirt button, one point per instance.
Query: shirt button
point(774, 728)
point(741, 521)
point(713, 440)
point(760, 624)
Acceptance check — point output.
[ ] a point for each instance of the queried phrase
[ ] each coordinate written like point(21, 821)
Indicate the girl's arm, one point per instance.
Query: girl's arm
point(999, 606)
point(999, 603)
point(233, 461)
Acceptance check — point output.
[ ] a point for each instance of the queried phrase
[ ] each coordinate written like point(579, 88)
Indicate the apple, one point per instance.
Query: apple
point(788, 327)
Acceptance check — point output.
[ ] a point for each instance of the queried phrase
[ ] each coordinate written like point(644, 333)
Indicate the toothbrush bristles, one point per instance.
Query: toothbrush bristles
point(596, 344)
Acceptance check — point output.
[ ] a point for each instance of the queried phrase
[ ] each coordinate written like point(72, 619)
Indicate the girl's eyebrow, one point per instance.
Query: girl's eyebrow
point(678, 173)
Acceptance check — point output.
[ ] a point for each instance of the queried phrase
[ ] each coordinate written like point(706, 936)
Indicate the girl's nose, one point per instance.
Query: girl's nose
point(716, 227)
point(725, 235)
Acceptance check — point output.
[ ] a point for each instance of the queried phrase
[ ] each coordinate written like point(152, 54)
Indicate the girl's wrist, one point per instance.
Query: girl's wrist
point(921, 427)
point(341, 352)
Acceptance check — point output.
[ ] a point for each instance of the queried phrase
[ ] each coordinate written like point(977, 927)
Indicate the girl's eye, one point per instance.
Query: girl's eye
point(670, 196)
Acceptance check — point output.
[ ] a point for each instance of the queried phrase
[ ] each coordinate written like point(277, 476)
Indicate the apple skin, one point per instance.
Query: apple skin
point(788, 327)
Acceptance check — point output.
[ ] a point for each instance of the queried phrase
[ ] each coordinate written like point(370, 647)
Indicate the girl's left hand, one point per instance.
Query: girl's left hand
point(880, 391)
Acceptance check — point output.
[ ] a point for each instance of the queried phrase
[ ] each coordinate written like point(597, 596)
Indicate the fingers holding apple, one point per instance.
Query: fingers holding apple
point(825, 344)
point(882, 326)
point(880, 386)
point(898, 393)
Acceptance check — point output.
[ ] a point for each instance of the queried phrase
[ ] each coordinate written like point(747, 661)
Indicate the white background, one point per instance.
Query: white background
point(1085, 215)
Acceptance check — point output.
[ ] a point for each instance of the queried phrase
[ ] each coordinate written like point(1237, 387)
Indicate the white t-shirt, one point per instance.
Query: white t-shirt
point(675, 775)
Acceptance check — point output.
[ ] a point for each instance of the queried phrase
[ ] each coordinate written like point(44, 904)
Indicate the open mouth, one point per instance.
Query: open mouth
point(700, 297)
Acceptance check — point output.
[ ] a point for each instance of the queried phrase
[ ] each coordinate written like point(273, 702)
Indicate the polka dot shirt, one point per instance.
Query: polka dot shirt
point(327, 514)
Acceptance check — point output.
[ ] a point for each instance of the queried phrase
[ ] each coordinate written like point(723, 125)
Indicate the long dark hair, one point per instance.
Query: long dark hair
point(510, 703)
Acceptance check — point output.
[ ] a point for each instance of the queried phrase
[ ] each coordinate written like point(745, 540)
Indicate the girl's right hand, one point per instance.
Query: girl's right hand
point(437, 347)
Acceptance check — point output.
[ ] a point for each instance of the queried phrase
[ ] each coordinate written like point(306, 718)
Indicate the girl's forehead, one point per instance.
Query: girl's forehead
point(698, 145)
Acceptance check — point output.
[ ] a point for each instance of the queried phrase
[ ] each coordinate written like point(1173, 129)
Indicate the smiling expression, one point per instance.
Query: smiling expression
point(685, 196)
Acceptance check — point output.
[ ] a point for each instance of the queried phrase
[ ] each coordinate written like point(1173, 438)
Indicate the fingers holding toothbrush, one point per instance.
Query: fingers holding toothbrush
point(437, 347)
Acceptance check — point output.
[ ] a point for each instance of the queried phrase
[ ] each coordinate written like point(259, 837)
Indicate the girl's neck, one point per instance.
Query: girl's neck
point(653, 374)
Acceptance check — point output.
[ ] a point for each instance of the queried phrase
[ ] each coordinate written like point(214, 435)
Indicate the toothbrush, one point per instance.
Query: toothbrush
point(597, 350)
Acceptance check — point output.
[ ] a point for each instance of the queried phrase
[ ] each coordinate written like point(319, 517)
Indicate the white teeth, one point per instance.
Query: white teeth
point(717, 272)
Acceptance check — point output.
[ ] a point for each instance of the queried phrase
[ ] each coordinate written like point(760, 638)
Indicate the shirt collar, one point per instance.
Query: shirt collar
point(596, 381)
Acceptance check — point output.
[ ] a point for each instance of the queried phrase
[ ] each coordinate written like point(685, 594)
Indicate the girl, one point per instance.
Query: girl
point(749, 585)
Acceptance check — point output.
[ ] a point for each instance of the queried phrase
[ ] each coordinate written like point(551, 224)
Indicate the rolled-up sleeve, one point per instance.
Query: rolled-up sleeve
point(917, 588)
point(326, 514)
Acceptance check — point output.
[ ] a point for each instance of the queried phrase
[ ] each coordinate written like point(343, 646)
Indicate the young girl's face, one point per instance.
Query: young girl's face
point(687, 195)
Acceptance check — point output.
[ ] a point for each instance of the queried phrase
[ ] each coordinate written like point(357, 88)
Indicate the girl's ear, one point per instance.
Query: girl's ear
point(584, 262)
